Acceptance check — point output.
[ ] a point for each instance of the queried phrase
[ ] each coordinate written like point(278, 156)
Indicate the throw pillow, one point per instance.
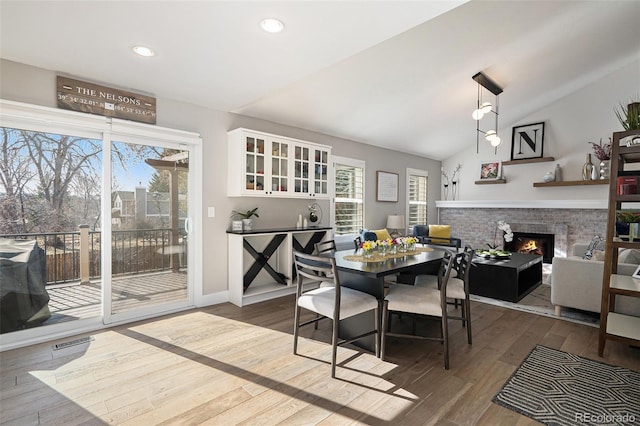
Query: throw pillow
point(591, 247)
point(366, 235)
point(631, 256)
point(382, 234)
point(438, 232)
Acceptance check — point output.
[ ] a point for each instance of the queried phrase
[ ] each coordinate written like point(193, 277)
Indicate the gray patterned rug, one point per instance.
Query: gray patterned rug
point(559, 388)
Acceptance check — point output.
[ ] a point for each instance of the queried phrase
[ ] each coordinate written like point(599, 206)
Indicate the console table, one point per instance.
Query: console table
point(260, 261)
point(506, 279)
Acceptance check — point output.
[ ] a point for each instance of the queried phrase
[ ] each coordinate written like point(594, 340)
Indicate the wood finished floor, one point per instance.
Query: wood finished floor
point(225, 365)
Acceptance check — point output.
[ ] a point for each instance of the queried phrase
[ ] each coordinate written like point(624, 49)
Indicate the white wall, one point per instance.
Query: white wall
point(572, 121)
point(28, 84)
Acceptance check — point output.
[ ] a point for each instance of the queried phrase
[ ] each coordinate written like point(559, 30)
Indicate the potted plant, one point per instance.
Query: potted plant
point(629, 116)
point(247, 221)
point(627, 224)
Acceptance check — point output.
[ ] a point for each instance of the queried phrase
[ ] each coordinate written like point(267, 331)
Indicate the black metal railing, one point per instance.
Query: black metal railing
point(133, 252)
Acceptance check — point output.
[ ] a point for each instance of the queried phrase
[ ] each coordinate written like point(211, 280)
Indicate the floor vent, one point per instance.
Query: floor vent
point(79, 341)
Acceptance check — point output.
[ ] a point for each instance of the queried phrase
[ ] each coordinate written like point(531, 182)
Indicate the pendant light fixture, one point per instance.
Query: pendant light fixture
point(484, 108)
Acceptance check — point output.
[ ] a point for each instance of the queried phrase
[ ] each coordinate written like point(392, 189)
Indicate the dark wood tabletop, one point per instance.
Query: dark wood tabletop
point(388, 266)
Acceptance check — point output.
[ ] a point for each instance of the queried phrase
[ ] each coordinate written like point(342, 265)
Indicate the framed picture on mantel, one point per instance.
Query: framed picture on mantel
point(527, 141)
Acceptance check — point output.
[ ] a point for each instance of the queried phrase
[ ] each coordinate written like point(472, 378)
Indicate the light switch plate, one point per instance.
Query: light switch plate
point(211, 212)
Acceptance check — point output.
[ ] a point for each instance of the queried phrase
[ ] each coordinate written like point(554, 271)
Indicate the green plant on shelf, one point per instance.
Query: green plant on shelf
point(245, 215)
point(628, 216)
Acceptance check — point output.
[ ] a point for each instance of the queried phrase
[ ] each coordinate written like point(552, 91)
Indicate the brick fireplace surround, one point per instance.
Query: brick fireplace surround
point(572, 221)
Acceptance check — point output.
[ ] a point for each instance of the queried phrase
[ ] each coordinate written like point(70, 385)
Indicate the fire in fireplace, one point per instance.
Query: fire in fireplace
point(533, 243)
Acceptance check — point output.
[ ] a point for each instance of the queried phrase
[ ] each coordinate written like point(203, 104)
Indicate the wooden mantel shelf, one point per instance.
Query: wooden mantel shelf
point(528, 160)
point(490, 181)
point(572, 183)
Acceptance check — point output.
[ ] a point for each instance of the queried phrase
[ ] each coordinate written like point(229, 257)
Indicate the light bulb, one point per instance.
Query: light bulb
point(493, 138)
point(477, 114)
point(272, 25)
point(486, 107)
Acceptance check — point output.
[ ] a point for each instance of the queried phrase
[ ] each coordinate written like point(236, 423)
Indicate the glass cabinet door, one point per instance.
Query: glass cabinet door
point(321, 172)
point(279, 167)
point(254, 164)
point(301, 169)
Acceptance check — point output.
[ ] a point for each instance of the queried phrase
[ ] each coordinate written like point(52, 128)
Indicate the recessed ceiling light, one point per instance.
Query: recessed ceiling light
point(272, 25)
point(143, 51)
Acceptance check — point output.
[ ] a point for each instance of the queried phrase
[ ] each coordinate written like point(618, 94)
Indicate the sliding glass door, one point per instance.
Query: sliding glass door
point(150, 221)
point(96, 222)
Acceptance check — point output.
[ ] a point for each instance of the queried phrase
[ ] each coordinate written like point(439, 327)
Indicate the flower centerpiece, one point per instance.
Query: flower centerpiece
point(383, 246)
point(367, 248)
point(393, 246)
point(411, 243)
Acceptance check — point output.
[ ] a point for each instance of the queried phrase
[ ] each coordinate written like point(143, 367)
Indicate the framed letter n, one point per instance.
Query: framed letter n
point(527, 141)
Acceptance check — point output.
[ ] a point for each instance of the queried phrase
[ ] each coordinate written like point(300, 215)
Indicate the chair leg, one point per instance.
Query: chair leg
point(383, 334)
point(334, 347)
point(377, 329)
point(296, 327)
point(467, 315)
point(445, 341)
point(315, 325)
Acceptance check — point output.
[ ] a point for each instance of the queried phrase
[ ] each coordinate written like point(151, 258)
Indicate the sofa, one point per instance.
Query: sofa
point(577, 282)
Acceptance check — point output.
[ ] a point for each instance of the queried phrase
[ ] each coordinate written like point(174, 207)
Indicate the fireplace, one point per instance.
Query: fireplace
point(533, 243)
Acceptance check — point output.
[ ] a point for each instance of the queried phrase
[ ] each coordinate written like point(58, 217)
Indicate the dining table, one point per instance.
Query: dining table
point(369, 274)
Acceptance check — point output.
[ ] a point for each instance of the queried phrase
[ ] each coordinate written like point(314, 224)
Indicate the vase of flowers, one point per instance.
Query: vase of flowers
point(367, 248)
point(383, 246)
point(603, 154)
point(507, 234)
point(393, 246)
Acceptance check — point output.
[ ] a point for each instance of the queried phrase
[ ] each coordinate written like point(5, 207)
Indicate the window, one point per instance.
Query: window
point(348, 208)
point(417, 197)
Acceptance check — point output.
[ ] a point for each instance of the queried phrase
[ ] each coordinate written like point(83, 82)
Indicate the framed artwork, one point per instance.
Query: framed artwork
point(527, 141)
point(490, 170)
point(636, 274)
point(386, 186)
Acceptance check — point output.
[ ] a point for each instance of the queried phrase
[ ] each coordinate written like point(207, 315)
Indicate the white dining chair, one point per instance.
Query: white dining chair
point(457, 286)
point(418, 300)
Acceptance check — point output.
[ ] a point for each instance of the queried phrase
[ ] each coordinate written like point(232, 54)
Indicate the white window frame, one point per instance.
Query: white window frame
point(332, 205)
point(413, 172)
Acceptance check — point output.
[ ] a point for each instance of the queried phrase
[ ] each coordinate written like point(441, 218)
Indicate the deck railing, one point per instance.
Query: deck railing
point(76, 256)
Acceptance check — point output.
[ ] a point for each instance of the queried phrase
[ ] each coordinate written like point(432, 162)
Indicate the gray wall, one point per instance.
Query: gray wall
point(37, 86)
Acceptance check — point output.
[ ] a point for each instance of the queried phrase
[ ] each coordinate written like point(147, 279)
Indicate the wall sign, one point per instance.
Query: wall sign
point(527, 141)
point(92, 98)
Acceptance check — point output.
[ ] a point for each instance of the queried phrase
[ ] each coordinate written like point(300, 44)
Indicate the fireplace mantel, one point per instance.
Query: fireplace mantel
point(523, 204)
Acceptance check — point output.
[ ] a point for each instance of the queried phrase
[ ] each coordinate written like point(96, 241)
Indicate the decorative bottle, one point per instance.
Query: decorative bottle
point(587, 169)
point(558, 173)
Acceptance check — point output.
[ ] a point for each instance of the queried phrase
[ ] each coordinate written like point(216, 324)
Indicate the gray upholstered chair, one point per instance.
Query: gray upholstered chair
point(330, 301)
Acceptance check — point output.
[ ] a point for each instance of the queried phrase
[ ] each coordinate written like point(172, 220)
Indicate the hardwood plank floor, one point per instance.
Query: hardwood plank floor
point(225, 365)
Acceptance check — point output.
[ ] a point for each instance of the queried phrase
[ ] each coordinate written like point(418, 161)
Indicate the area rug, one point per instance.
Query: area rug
point(559, 388)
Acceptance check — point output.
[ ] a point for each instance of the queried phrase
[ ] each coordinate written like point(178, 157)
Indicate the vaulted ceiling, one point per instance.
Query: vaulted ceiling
point(395, 74)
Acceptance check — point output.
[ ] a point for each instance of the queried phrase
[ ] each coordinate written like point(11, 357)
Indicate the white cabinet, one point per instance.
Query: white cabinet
point(276, 166)
point(260, 262)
